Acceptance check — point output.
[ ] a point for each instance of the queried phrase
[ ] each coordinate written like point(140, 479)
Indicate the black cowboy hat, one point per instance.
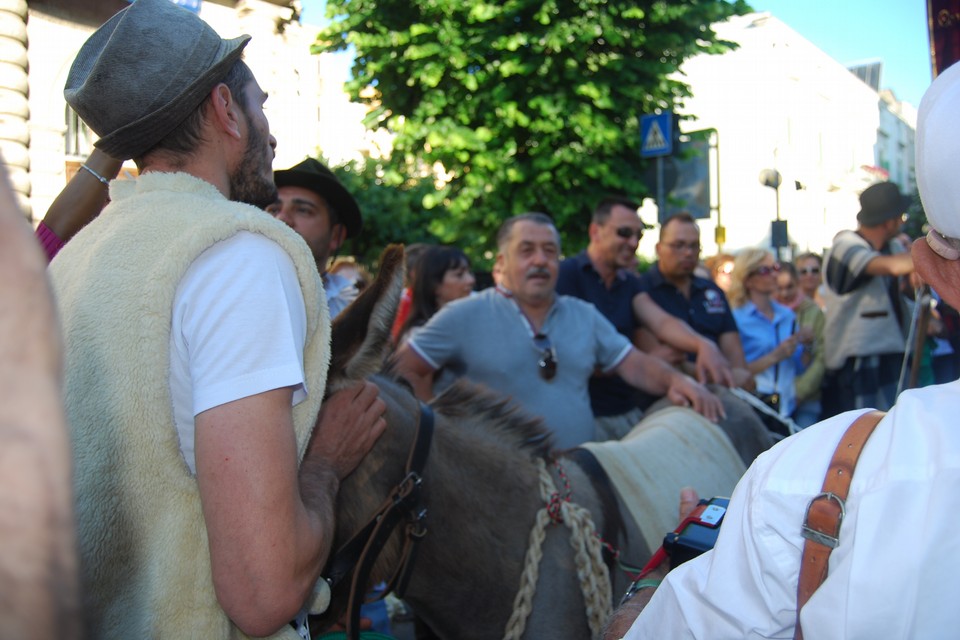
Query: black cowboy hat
point(313, 175)
point(881, 202)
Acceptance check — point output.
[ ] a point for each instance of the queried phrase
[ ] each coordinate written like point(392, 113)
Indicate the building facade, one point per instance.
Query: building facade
point(43, 142)
point(778, 102)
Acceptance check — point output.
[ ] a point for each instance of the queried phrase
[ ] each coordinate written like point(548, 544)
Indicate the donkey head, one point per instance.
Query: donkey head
point(361, 333)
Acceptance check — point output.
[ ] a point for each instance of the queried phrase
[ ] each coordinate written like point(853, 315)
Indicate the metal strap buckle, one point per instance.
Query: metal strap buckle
point(818, 536)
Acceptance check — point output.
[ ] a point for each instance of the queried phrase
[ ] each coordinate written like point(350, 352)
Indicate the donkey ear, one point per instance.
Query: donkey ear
point(361, 333)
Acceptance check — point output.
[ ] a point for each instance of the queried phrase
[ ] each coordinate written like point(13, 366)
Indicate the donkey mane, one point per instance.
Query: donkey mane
point(476, 407)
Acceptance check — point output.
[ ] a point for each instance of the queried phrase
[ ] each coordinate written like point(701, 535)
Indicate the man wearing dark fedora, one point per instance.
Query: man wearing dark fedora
point(312, 202)
point(196, 338)
point(866, 320)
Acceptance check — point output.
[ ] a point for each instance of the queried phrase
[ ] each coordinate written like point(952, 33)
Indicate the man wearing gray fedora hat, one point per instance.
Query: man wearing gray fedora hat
point(864, 334)
point(312, 202)
point(197, 340)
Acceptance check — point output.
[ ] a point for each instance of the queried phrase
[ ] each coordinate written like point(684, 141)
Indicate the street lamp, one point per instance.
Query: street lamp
point(778, 228)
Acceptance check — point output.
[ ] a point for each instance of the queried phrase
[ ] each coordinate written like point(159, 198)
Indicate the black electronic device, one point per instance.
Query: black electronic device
point(697, 532)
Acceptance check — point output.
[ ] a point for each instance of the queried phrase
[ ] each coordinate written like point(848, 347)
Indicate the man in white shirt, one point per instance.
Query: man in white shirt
point(197, 339)
point(895, 570)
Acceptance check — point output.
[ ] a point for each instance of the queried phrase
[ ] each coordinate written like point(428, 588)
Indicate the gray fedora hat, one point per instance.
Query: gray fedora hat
point(144, 71)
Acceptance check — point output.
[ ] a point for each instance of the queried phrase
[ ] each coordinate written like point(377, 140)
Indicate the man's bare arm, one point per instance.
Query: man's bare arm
point(38, 564)
point(711, 364)
point(732, 348)
point(625, 615)
point(645, 341)
point(416, 371)
point(655, 376)
point(270, 525)
point(899, 264)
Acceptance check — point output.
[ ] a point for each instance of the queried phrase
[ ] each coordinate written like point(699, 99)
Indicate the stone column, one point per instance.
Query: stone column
point(14, 109)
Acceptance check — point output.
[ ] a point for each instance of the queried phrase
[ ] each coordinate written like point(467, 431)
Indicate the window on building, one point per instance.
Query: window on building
point(78, 145)
point(78, 139)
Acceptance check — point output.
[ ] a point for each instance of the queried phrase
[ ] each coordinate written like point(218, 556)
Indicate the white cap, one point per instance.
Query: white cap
point(938, 153)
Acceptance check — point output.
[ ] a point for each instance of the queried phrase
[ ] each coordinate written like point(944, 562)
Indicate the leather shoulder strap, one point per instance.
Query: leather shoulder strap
point(821, 526)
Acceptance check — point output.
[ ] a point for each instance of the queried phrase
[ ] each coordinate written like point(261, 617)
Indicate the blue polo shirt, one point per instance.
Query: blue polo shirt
point(707, 311)
point(609, 394)
point(761, 335)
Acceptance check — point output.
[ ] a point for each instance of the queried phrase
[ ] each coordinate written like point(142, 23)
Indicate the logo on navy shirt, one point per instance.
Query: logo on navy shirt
point(714, 302)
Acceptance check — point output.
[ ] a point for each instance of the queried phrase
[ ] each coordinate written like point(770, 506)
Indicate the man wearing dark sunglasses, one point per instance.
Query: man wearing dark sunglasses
point(604, 274)
point(523, 340)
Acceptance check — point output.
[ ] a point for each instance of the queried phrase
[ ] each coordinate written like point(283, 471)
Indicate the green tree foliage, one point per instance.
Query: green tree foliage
point(916, 225)
point(525, 104)
point(392, 209)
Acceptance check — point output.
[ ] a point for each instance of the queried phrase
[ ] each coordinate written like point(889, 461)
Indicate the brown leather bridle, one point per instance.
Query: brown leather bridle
point(358, 555)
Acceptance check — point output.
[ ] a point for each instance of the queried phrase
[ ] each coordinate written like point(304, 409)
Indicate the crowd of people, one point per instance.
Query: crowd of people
point(196, 339)
point(760, 325)
point(794, 559)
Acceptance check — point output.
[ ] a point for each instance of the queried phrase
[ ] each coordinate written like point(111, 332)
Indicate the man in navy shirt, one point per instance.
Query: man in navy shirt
point(603, 275)
point(698, 301)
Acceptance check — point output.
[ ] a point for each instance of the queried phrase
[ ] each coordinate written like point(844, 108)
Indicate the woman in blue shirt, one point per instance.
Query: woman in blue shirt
point(767, 328)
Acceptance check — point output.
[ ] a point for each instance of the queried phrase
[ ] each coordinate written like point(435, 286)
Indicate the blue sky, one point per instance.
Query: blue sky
point(849, 31)
point(312, 11)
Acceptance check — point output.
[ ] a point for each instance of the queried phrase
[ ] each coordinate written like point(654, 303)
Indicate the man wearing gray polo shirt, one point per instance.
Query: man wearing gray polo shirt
point(523, 340)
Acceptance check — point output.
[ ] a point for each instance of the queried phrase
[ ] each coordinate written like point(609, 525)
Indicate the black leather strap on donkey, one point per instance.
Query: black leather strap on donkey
point(358, 555)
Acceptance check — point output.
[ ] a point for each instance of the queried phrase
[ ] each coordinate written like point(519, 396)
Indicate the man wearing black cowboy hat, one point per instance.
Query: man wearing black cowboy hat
point(864, 335)
point(316, 205)
point(196, 342)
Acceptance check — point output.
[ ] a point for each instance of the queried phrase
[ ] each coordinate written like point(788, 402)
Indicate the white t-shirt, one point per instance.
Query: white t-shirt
point(896, 572)
point(238, 329)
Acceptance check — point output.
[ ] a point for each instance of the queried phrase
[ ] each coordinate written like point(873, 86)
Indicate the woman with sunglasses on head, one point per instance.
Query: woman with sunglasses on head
point(767, 329)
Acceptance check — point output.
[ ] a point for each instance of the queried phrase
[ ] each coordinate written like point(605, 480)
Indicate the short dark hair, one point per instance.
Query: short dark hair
point(188, 135)
point(602, 211)
point(503, 235)
point(680, 216)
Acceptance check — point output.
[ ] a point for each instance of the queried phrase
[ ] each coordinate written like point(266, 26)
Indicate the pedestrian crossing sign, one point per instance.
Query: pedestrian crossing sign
point(656, 137)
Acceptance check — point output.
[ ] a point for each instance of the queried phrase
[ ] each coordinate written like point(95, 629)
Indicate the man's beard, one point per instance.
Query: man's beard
point(247, 183)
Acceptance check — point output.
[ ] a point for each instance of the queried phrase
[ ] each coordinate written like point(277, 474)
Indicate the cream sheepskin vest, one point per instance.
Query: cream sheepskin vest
point(143, 544)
